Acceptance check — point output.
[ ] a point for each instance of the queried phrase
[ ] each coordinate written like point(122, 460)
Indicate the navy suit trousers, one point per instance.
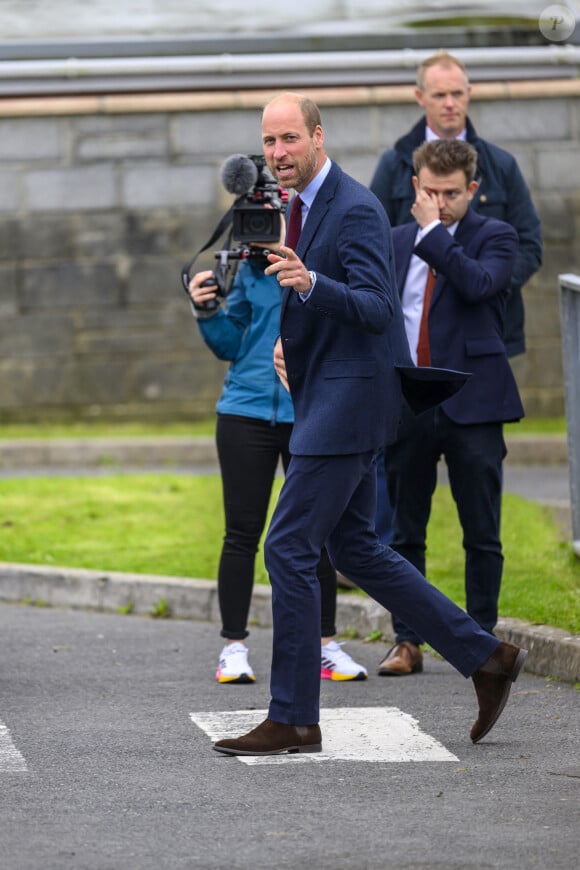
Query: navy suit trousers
point(474, 455)
point(332, 500)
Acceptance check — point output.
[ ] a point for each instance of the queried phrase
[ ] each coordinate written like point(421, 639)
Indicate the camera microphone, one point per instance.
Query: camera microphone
point(238, 174)
point(255, 216)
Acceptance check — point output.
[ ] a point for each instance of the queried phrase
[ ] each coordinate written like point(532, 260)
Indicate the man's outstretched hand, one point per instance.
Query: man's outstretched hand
point(289, 270)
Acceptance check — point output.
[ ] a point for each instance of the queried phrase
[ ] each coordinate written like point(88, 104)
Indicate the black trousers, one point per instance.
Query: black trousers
point(474, 456)
point(249, 451)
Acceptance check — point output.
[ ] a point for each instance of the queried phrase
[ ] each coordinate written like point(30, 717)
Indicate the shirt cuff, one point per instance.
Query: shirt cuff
point(422, 232)
point(305, 296)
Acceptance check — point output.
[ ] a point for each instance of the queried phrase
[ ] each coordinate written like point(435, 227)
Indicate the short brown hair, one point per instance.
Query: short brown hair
point(444, 156)
point(308, 109)
point(311, 114)
point(440, 58)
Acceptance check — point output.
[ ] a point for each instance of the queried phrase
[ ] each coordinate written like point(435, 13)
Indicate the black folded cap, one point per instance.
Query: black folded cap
point(425, 387)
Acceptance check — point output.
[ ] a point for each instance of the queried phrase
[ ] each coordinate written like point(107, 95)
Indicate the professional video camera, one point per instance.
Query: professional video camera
point(251, 180)
point(254, 217)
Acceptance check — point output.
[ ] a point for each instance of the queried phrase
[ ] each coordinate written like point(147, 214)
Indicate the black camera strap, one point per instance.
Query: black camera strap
point(224, 223)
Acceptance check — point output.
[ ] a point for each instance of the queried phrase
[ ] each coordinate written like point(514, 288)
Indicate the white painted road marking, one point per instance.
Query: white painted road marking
point(348, 734)
point(11, 761)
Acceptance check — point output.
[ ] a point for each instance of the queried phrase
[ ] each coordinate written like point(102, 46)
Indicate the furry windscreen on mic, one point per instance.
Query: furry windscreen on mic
point(239, 174)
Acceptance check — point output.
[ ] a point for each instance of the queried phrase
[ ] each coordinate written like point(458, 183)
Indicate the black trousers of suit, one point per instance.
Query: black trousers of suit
point(474, 456)
point(332, 500)
point(249, 450)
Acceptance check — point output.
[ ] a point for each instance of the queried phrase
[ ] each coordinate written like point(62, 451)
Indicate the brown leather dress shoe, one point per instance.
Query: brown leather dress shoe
point(273, 738)
point(402, 659)
point(492, 683)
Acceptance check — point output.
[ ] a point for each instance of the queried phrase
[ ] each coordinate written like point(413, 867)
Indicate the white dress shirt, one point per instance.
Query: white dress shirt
point(414, 290)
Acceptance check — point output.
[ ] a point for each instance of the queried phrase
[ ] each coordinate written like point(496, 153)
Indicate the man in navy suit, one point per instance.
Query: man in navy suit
point(341, 340)
point(460, 325)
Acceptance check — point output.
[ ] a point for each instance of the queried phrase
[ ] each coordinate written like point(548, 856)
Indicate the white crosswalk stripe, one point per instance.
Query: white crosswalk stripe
point(364, 734)
point(11, 760)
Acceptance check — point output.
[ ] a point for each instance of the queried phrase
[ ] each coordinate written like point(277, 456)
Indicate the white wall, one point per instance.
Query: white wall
point(85, 19)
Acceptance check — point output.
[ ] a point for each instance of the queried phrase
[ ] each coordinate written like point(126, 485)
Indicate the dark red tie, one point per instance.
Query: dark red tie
point(423, 354)
point(295, 223)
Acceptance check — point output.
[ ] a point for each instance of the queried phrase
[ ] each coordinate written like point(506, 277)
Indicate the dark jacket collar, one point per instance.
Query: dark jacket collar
point(468, 225)
point(416, 136)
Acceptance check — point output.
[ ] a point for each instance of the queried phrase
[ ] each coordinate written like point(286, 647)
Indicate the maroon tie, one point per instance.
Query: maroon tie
point(295, 223)
point(423, 354)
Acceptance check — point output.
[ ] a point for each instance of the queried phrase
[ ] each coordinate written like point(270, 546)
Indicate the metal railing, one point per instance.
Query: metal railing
point(570, 320)
point(109, 74)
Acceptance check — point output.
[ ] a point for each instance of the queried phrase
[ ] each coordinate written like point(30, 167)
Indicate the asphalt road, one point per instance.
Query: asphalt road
point(102, 767)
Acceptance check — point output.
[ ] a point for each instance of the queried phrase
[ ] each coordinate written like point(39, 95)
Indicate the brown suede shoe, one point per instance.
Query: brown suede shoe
point(273, 738)
point(402, 659)
point(492, 683)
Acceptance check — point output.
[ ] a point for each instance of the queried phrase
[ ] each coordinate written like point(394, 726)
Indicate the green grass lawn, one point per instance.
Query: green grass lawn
point(172, 524)
point(104, 429)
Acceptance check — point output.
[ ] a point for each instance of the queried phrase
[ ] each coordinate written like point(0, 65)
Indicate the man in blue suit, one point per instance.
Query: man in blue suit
point(341, 341)
point(456, 323)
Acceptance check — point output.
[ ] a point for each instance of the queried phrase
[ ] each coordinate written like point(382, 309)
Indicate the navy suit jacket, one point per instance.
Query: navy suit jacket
point(343, 345)
point(466, 315)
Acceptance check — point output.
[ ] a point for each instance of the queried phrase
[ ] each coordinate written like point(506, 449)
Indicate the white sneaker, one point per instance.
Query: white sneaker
point(336, 664)
point(233, 665)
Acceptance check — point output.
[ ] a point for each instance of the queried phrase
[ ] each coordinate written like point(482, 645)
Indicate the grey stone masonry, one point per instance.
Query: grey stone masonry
point(104, 198)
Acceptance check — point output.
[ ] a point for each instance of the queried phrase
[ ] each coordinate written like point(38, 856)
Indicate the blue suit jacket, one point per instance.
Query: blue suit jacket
point(466, 315)
point(343, 345)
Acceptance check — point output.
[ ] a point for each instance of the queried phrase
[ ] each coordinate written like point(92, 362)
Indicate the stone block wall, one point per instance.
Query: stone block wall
point(103, 198)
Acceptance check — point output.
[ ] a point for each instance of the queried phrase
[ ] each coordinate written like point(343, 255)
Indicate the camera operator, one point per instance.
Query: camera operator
point(254, 423)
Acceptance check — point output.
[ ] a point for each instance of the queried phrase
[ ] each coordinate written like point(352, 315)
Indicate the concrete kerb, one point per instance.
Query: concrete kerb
point(88, 453)
point(182, 451)
point(552, 652)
